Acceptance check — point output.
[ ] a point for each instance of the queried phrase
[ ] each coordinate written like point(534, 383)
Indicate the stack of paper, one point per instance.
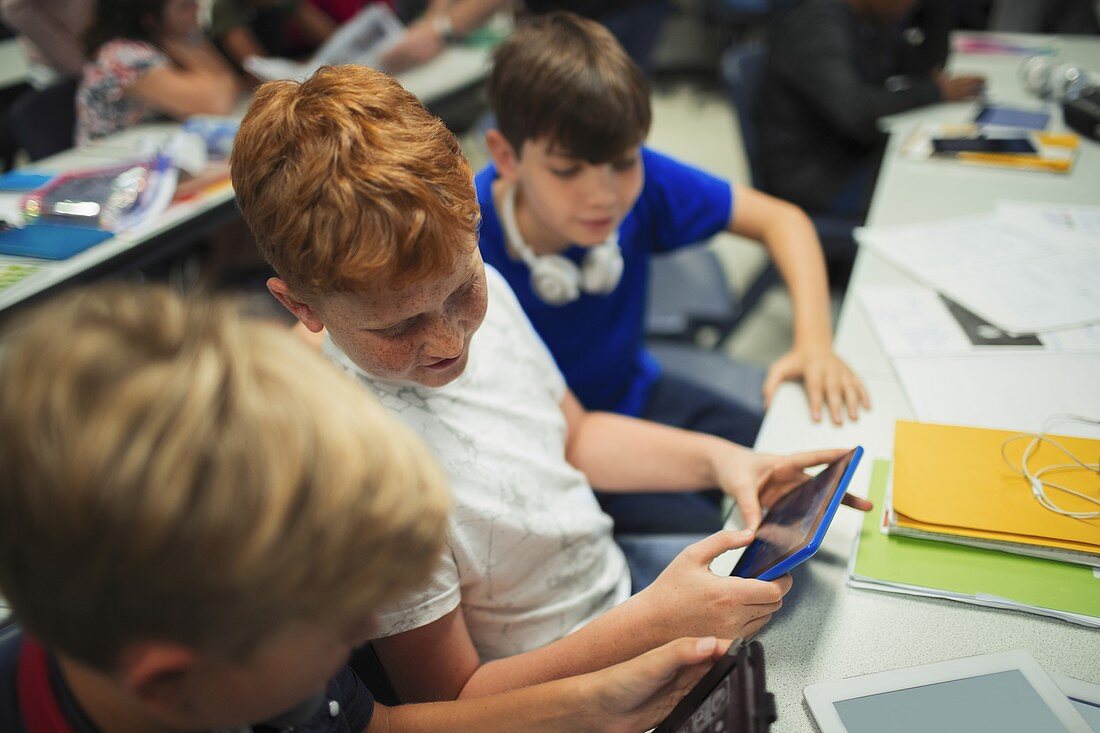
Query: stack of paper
point(969, 574)
point(1023, 273)
point(952, 484)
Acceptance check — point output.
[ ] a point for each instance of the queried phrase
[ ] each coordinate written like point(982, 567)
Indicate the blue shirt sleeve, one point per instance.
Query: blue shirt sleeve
point(680, 204)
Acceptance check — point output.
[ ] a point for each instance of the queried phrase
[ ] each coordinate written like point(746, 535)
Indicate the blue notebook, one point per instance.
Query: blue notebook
point(50, 241)
point(24, 181)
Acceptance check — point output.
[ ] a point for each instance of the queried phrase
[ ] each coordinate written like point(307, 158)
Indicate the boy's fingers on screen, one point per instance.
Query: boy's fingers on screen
point(817, 457)
point(705, 550)
point(750, 511)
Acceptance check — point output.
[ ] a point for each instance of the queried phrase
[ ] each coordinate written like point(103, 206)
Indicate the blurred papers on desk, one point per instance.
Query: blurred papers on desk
point(1023, 279)
point(911, 320)
point(1004, 391)
point(361, 40)
point(952, 484)
point(972, 575)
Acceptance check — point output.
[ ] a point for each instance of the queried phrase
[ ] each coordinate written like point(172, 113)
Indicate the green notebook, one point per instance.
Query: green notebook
point(968, 574)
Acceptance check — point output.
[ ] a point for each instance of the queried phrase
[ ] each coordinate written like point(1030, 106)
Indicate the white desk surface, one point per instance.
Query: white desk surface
point(457, 68)
point(827, 630)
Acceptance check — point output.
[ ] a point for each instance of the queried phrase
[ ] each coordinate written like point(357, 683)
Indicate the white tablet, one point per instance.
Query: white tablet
point(1085, 696)
point(1007, 692)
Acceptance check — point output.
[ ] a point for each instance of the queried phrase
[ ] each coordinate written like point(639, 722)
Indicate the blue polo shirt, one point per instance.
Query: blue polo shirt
point(598, 341)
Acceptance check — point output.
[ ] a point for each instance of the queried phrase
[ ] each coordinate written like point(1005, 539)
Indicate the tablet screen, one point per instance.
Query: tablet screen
point(1089, 711)
point(792, 521)
point(1003, 701)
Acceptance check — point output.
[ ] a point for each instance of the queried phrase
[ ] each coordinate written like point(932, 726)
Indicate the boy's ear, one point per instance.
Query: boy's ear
point(156, 672)
point(301, 310)
point(505, 157)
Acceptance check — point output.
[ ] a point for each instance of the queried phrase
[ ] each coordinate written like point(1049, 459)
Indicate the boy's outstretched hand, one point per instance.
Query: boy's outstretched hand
point(755, 479)
point(828, 381)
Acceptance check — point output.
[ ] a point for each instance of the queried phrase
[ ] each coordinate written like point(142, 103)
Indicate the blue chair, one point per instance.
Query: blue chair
point(743, 74)
point(44, 120)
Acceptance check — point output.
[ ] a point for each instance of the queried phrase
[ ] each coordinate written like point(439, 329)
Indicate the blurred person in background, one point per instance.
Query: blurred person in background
point(835, 67)
point(149, 60)
point(284, 28)
point(636, 24)
point(51, 32)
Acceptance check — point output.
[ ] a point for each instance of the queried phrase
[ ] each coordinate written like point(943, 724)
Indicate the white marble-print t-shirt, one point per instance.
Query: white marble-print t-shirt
point(530, 555)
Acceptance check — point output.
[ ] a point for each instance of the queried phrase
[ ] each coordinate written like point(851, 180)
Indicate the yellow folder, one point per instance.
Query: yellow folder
point(952, 480)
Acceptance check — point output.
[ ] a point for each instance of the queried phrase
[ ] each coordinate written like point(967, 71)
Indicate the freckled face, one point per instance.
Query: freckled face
point(418, 333)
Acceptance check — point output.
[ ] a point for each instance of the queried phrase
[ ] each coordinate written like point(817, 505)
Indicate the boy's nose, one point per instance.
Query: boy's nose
point(447, 339)
point(600, 188)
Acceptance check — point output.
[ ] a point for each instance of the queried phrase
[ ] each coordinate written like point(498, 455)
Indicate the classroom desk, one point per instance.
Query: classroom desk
point(452, 73)
point(827, 630)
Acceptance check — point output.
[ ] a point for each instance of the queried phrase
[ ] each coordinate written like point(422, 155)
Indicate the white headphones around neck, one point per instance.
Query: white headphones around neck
point(556, 279)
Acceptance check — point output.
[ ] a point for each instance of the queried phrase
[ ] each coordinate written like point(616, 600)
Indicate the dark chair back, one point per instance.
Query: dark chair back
point(44, 120)
point(743, 76)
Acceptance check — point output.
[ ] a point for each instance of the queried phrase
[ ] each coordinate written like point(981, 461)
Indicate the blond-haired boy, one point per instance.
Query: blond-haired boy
point(198, 517)
point(363, 204)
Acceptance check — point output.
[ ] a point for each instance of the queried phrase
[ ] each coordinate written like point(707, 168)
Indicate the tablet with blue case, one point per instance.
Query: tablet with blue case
point(795, 526)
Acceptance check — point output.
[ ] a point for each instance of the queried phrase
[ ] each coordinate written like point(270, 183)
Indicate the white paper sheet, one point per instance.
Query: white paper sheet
point(913, 320)
point(1019, 279)
point(1074, 220)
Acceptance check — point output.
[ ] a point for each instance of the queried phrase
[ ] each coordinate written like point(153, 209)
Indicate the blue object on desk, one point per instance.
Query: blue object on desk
point(1028, 119)
point(24, 181)
point(50, 241)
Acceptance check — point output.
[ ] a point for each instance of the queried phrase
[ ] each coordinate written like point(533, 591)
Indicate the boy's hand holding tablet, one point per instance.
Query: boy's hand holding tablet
point(762, 479)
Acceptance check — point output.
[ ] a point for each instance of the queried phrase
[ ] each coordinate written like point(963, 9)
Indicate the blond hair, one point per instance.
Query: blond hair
point(346, 181)
point(172, 471)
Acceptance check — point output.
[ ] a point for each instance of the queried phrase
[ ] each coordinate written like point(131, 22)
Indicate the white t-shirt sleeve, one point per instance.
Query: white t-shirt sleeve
point(433, 601)
point(532, 346)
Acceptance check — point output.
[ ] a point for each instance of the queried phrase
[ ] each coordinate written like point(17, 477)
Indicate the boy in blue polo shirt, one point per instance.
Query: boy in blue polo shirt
point(572, 207)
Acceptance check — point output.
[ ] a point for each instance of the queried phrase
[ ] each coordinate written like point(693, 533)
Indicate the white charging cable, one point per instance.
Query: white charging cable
point(1035, 479)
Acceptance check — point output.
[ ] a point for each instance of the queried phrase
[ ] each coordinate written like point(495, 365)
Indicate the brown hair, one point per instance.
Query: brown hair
point(172, 471)
point(346, 180)
point(566, 78)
